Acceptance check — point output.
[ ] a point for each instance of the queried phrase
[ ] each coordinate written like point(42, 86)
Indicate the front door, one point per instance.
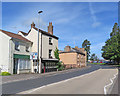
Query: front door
point(15, 66)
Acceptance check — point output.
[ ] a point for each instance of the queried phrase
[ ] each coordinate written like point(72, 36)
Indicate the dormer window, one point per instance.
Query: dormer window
point(27, 48)
point(50, 41)
point(17, 46)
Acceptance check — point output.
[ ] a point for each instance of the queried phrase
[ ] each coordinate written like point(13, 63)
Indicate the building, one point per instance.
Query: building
point(47, 45)
point(73, 57)
point(15, 53)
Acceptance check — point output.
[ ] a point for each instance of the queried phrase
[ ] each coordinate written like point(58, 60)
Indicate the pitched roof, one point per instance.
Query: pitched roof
point(73, 50)
point(43, 32)
point(13, 35)
point(46, 33)
point(23, 33)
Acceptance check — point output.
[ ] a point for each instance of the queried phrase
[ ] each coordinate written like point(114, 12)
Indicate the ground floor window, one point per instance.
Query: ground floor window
point(24, 64)
point(49, 66)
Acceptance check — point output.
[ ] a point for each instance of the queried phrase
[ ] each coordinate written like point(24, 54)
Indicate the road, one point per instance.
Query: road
point(90, 80)
point(91, 83)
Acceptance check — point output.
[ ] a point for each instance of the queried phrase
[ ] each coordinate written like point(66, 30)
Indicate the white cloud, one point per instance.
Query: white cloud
point(95, 22)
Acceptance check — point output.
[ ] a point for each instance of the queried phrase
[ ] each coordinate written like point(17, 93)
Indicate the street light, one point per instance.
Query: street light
point(38, 43)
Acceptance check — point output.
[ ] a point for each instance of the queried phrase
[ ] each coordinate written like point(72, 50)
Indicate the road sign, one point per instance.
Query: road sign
point(33, 55)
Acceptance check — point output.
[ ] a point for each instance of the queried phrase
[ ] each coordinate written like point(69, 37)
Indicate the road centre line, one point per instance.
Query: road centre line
point(35, 89)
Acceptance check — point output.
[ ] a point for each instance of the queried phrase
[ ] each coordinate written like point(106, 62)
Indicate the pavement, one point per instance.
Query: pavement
point(20, 77)
point(37, 81)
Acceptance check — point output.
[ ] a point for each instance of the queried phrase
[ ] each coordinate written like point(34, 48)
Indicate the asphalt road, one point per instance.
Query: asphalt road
point(92, 83)
point(24, 85)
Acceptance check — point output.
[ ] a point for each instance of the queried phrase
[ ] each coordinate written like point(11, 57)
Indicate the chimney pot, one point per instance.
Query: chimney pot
point(32, 25)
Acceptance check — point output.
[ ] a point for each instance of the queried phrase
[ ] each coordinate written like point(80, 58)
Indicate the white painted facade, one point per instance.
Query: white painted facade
point(44, 39)
point(7, 51)
point(4, 51)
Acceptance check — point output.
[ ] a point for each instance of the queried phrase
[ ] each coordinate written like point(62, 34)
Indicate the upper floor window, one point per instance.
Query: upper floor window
point(27, 48)
point(17, 46)
point(50, 41)
point(50, 53)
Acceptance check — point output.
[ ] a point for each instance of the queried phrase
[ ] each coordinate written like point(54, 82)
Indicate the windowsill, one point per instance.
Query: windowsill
point(50, 44)
point(27, 51)
point(17, 49)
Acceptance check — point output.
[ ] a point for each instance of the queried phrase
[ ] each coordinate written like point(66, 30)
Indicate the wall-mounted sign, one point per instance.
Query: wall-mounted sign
point(33, 55)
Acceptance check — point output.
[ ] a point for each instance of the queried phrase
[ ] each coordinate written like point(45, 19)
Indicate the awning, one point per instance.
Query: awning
point(18, 56)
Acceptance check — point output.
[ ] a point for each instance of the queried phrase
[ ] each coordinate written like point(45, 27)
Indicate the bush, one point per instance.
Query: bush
point(5, 74)
point(60, 66)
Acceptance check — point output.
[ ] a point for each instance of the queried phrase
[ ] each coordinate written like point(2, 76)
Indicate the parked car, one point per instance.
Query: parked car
point(109, 62)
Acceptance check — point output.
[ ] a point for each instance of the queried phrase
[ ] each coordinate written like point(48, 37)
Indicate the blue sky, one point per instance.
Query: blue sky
point(73, 21)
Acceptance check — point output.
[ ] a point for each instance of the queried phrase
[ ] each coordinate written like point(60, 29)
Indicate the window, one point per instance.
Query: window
point(24, 64)
point(17, 46)
point(27, 48)
point(50, 53)
point(50, 41)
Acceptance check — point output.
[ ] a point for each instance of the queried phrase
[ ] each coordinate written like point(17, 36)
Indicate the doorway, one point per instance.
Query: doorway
point(15, 66)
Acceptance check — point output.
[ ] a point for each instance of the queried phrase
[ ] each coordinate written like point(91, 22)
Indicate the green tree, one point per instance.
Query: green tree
point(93, 57)
point(86, 44)
point(56, 54)
point(111, 49)
point(60, 66)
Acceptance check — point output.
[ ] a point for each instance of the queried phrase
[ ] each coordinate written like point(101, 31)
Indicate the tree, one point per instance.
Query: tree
point(93, 57)
point(56, 53)
point(111, 49)
point(60, 66)
point(86, 44)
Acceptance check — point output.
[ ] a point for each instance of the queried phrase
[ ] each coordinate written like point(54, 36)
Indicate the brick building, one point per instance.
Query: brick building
point(73, 57)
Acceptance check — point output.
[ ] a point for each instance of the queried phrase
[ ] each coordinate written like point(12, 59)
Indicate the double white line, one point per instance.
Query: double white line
point(111, 80)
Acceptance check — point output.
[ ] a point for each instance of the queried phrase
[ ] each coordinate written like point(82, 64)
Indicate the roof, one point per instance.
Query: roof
point(13, 35)
point(43, 32)
point(23, 33)
point(73, 51)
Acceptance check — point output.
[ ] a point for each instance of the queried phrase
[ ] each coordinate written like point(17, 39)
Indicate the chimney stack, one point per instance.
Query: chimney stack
point(76, 47)
point(50, 28)
point(32, 25)
point(67, 48)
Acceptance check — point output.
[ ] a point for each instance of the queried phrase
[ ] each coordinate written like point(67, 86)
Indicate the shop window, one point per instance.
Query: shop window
point(24, 64)
point(17, 46)
point(50, 41)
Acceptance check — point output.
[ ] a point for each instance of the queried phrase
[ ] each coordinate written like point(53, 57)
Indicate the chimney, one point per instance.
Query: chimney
point(32, 25)
point(67, 48)
point(76, 47)
point(82, 50)
point(50, 28)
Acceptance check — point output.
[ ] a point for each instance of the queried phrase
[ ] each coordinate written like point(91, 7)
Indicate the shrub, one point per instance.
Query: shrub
point(5, 74)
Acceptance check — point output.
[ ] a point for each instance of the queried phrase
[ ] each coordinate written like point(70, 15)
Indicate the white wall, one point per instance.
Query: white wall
point(46, 46)
point(4, 51)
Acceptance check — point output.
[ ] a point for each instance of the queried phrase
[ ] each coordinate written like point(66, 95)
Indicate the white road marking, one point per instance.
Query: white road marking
point(35, 89)
point(111, 82)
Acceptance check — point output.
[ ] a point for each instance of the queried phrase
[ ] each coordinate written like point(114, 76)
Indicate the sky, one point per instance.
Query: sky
point(73, 21)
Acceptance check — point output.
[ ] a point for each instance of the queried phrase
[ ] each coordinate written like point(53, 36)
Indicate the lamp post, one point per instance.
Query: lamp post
point(38, 44)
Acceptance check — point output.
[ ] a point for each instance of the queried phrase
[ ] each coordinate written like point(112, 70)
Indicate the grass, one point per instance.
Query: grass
point(99, 63)
point(5, 74)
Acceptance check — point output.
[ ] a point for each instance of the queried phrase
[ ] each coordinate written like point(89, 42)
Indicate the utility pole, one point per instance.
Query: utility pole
point(38, 65)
